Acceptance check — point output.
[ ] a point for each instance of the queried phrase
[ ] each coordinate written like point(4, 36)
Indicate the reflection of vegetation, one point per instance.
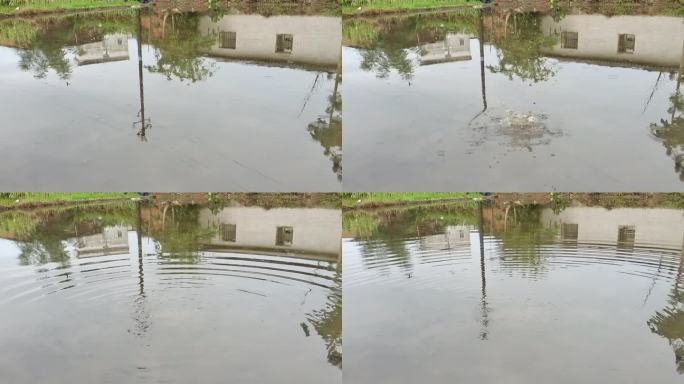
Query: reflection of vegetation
point(360, 224)
point(360, 33)
point(45, 44)
point(42, 56)
point(520, 50)
point(671, 132)
point(385, 231)
point(179, 234)
point(387, 44)
point(521, 237)
point(328, 322)
point(559, 202)
point(405, 222)
point(383, 60)
point(17, 31)
point(41, 234)
point(669, 323)
point(327, 130)
point(180, 49)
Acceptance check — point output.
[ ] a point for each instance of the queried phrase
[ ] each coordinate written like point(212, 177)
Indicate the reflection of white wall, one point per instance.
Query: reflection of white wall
point(315, 230)
point(113, 239)
point(658, 226)
point(455, 47)
point(658, 38)
point(316, 39)
point(454, 236)
point(113, 47)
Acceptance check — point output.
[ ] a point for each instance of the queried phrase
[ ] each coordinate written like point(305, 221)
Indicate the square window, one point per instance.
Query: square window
point(227, 40)
point(626, 43)
point(626, 235)
point(569, 40)
point(228, 232)
point(569, 231)
point(284, 43)
point(284, 236)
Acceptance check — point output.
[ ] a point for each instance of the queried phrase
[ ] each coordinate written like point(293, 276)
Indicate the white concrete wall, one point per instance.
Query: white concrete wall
point(660, 227)
point(659, 40)
point(113, 47)
point(454, 236)
point(317, 40)
point(455, 47)
point(315, 230)
point(112, 239)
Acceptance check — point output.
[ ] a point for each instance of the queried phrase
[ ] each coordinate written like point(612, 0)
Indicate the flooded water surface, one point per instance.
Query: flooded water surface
point(516, 295)
point(136, 97)
point(535, 101)
point(170, 294)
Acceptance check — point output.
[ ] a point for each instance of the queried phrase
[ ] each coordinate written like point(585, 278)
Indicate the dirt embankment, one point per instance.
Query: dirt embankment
point(266, 200)
point(398, 203)
point(28, 13)
point(371, 12)
point(57, 203)
point(607, 200)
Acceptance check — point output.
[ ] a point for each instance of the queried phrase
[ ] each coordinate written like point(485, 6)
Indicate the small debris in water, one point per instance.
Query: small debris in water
point(524, 129)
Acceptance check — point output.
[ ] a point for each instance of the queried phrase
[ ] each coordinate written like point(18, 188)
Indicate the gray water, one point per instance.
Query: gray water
point(590, 295)
point(109, 295)
point(558, 102)
point(242, 114)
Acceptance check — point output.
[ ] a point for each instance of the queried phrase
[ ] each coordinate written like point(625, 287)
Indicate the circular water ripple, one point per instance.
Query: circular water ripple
point(417, 261)
point(122, 275)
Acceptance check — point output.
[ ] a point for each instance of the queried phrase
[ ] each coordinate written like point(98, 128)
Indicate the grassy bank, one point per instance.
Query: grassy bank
point(606, 200)
point(380, 199)
point(265, 200)
point(350, 7)
point(23, 7)
point(35, 199)
point(9, 200)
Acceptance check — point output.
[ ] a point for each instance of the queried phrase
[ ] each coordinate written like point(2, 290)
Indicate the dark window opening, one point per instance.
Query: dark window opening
point(626, 43)
point(284, 236)
point(228, 232)
point(569, 231)
point(227, 40)
point(626, 235)
point(569, 40)
point(284, 43)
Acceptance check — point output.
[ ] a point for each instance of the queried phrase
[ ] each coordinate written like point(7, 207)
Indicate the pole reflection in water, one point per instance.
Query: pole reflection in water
point(481, 40)
point(142, 316)
point(484, 310)
point(144, 123)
